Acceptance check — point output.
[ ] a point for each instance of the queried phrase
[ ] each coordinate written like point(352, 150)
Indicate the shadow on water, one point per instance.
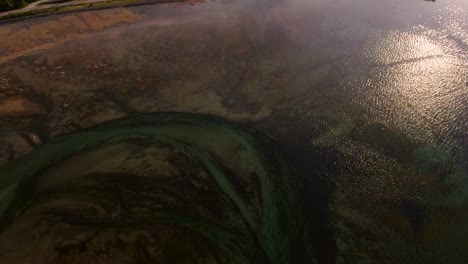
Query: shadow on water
point(311, 165)
point(315, 193)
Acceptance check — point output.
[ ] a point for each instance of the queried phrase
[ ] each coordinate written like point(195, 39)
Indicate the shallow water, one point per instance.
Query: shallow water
point(366, 99)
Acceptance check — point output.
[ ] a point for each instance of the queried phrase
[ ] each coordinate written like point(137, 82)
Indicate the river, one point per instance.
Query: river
point(367, 101)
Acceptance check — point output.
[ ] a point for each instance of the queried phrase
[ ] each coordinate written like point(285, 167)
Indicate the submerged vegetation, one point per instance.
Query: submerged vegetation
point(225, 187)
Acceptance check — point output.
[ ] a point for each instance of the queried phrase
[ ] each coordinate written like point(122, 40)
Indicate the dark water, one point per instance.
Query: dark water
point(367, 101)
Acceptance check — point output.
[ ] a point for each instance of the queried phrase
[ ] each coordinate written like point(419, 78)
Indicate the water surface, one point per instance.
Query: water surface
point(366, 99)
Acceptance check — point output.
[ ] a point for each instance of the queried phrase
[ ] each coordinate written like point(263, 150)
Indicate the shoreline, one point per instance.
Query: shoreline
point(86, 7)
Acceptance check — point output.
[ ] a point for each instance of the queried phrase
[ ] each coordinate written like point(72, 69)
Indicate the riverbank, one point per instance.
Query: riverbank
point(48, 7)
point(8, 5)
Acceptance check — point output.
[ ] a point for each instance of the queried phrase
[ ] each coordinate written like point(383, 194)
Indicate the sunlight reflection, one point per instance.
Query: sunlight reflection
point(419, 82)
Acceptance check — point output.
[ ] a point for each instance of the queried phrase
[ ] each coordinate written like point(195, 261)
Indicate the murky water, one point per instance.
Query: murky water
point(368, 101)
